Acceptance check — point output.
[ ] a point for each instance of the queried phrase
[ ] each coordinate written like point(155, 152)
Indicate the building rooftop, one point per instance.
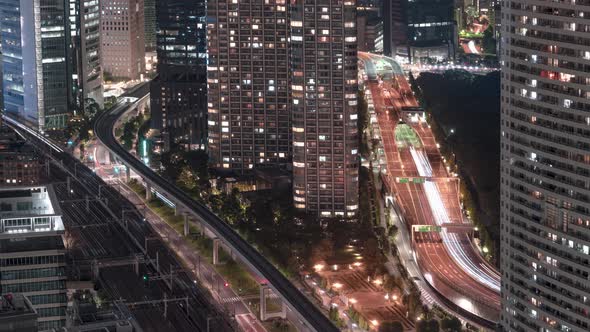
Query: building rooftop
point(15, 305)
point(29, 209)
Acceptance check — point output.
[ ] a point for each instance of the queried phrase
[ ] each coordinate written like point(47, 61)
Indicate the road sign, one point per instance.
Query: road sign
point(429, 229)
point(418, 180)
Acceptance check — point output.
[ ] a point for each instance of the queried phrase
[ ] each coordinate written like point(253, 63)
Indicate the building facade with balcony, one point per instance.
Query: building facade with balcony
point(545, 165)
point(248, 84)
point(324, 88)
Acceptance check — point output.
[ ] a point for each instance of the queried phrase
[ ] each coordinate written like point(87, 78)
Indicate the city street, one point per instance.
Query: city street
point(448, 261)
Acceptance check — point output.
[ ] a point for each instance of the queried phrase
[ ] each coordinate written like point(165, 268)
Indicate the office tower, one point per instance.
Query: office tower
point(85, 33)
point(419, 29)
point(431, 29)
point(33, 255)
point(394, 28)
point(150, 24)
point(248, 84)
point(179, 92)
point(369, 33)
point(545, 179)
point(324, 107)
point(37, 82)
point(122, 38)
point(17, 314)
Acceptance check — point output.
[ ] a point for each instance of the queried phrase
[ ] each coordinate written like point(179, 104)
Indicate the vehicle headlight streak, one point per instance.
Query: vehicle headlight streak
point(441, 217)
point(32, 132)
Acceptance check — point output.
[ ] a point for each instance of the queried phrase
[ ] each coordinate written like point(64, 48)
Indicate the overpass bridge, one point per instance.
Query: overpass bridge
point(306, 311)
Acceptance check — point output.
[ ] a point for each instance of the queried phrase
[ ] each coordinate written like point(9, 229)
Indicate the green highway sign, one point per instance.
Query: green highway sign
point(429, 228)
point(413, 180)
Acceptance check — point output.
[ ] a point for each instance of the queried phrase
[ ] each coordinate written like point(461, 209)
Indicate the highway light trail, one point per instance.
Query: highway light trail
point(32, 132)
point(451, 241)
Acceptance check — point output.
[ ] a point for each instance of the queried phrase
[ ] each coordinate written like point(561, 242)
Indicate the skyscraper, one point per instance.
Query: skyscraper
point(179, 92)
point(248, 84)
point(85, 34)
point(37, 76)
point(150, 24)
point(324, 106)
point(122, 37)
point(545, 179)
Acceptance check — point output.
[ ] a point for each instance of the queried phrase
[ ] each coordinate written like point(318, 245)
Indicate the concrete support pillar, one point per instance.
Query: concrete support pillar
point(148, 192)
point(136, 265)
point(215, 251)
point(202, 228)
point(176, 210)
point(95, 269)
point(127, 174)
point(186, 228)
point(263, 289)
point(264, 315)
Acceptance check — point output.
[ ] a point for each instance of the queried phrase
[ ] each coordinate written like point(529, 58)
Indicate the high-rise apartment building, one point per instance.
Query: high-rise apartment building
point(248, 83)
point(324, 87)
point(123, 38)
point(545, 179)
point(32, 255)
point(37, 76)
point(84, 16)
point(179, 92)
point(282, 86)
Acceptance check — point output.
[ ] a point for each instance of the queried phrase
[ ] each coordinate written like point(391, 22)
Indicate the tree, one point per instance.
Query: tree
point(488, 41)
point(471, 14)
point(393, 231)
point(391, 327)
point(91, 108)
point(451, 324)
point(427, 325)
point(187, 178)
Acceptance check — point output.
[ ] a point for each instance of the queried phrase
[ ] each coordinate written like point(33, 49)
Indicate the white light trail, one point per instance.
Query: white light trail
point(441, 217)
point(32, 132)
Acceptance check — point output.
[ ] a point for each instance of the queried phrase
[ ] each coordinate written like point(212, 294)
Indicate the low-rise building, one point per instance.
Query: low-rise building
point(32, 252)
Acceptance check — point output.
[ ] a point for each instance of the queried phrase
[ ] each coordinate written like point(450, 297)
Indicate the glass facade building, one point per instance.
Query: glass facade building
point(179, 92)
point(36, 71)
point(324, 91)
point(545, 179)
point(87, 74)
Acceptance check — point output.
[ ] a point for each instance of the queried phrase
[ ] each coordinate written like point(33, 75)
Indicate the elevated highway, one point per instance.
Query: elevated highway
point(307, 313)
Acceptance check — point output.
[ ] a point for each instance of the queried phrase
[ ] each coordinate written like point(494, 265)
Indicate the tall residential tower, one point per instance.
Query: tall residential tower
point(282, 78)
point(324, 107)
point(248, 83)
point(545, 179)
